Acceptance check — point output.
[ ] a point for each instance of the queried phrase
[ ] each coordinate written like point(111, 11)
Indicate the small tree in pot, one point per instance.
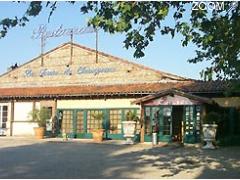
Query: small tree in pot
point(129, 126)
point(40, 117)
point(210, 129)
point(98, 132)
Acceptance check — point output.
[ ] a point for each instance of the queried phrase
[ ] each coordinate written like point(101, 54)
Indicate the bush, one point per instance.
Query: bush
point(131, 116)
point(233, 140)
point(40, 116)
point(212, 118)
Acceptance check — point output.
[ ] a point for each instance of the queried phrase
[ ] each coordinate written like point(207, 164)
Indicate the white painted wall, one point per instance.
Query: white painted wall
point(97, 103)
point(21, 111)
point(37, 105)
point(23, 128)
point(22, 124)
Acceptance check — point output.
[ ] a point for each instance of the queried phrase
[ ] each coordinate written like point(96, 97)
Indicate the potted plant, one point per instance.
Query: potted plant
point(210, 129)
point(98, 133)
point(155, 131)
point(155, 128)
point(129, 127)
point(40, 117)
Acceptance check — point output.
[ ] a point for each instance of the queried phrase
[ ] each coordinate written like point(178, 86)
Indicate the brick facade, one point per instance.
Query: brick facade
point(59, 69)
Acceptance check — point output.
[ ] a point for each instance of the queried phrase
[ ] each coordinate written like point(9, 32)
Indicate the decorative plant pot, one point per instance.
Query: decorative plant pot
point(209, 135)
point(154, 138)
point(129, 128)
point(98, 135)
point(39, 132)
point(3, 131)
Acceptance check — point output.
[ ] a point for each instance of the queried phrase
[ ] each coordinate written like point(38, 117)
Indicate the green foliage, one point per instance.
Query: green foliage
point(233, 140)
point(40, 116)
point(97, 116)
point(215, 32)
point(33, 10)
point(212, 118)
point(131, 116)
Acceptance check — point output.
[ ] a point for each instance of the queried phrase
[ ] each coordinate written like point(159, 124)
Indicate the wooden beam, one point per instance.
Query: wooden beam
point(142, 125)
point(12, 117)
point(33, 107)
point(55, 106)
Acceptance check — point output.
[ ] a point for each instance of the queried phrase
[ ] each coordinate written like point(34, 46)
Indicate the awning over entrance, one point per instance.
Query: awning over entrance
point(172, 97)
point(173, 114)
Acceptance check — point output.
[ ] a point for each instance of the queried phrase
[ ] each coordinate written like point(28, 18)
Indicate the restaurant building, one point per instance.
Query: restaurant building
point(74, 82)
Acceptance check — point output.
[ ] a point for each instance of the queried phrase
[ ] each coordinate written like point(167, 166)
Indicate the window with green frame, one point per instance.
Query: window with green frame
point(148, 125)
point(115, 118)
point(67, 121)
point(80, 122)
point(138, 125)
point(93, 123)
point(167, 112)
point(138, 113)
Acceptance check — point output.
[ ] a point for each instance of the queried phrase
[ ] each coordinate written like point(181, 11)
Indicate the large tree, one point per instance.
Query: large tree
point(212, 26)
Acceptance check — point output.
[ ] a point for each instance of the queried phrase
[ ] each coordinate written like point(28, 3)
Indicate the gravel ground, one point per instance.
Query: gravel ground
point(22, 157)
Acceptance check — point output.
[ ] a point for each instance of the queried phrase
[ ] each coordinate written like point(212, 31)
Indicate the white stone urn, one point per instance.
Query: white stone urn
point(129, 129)
point(209, 135)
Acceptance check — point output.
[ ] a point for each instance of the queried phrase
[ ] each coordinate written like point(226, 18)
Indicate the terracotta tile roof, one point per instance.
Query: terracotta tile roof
point(206, 87)
point(84, 90)
point(144, 88)
point(171, 92)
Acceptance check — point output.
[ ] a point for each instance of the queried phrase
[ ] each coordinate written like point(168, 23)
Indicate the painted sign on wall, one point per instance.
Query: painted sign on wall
point(172, 100)
point(68, 71)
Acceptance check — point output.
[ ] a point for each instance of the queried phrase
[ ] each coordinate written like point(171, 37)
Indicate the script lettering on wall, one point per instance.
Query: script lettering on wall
point(68, 71)
point(95, 71)
point(47, 72)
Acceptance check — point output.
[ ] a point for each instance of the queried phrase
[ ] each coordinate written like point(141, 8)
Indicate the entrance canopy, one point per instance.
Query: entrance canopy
point(172, 97)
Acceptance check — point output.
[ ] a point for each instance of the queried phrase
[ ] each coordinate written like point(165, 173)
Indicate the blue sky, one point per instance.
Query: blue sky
point(164, 53)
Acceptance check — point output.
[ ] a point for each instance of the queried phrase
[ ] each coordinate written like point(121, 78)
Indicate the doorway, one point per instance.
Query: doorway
point(169, 119)
point(177, 120)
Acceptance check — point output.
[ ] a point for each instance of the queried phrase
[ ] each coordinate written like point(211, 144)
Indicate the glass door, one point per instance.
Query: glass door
point(3, 116)
point(114, 130)
point(114, 120)
point(81, 124)
point(160, 117)
point(94, 121)
point(65, 118)
point(3, 119)
point(165, 124)
point(147, 124)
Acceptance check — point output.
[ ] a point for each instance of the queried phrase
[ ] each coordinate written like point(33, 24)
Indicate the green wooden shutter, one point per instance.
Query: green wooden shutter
point(192, 131)
point(189, 123)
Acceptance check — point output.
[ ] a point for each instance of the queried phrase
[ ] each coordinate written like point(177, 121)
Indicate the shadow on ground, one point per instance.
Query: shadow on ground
point(86, 160)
